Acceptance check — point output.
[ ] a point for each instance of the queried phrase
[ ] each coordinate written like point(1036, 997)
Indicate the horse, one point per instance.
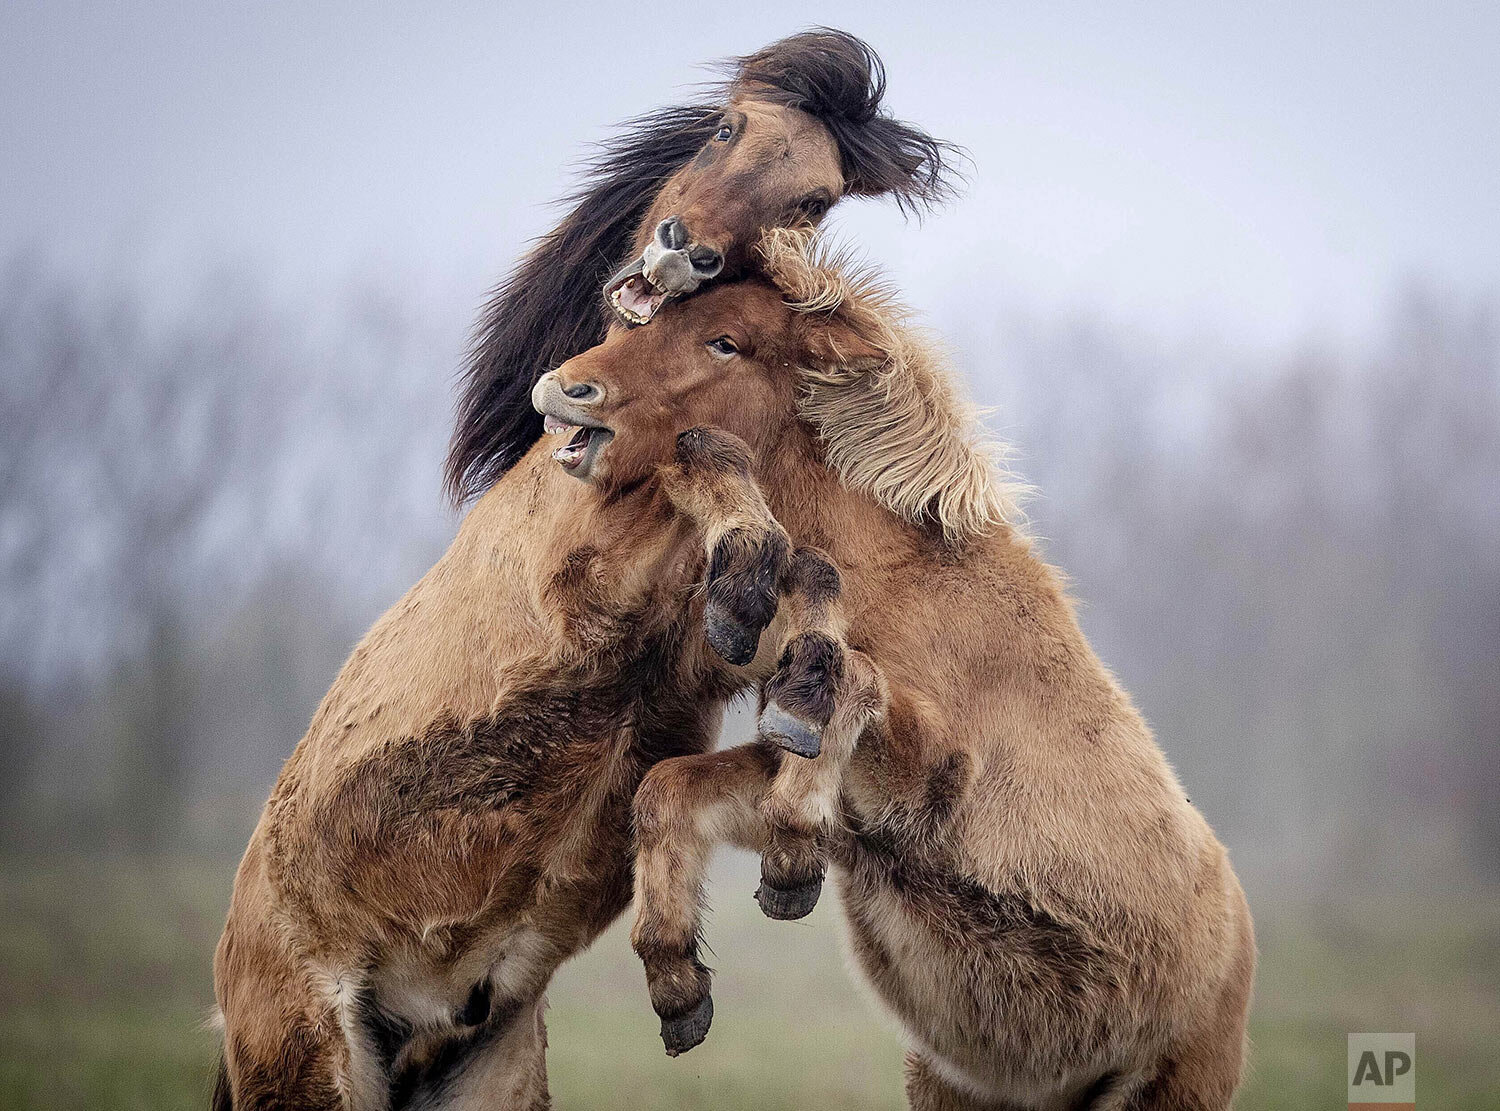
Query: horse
point(678, 199)
point(359, 966)
point(1026, 886)
point(457, 822)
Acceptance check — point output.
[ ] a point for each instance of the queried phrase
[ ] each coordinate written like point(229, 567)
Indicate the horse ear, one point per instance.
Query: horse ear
point(840, 79)
point(884, 156)
point(832, 342)
point(551, 308)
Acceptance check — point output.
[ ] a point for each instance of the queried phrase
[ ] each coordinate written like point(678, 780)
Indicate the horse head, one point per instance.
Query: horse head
point(802, 350)
point(800, 128)
point(680, 199)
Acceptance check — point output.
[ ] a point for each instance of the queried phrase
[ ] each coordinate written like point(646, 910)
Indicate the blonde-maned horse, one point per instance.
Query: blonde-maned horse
point(1027, 887)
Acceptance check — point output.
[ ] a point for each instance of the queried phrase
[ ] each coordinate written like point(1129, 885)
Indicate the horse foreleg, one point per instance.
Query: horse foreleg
point(817, 703)
point(683, 808)
point(709, 481)
point(753, 796)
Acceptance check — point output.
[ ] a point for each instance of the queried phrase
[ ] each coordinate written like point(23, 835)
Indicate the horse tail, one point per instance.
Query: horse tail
point(223, 1097)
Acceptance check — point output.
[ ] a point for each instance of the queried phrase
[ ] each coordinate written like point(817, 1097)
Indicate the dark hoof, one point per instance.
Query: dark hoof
point(682, 1033)
point(730, 637)
point(787, 904)
point(790, 732)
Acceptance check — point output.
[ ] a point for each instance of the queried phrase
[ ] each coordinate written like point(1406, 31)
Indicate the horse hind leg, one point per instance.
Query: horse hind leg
point(927, 1089)
point(500, 1061)
point(1202, 1072)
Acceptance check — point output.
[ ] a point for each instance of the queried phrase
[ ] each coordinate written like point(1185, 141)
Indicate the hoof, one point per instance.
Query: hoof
point(787, 904)
point(680, 1034)
point(790, 732)
point(730, 637)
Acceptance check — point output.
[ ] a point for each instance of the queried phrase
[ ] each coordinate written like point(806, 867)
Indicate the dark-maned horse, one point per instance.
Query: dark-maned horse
point(457, 820)
point(677, 199)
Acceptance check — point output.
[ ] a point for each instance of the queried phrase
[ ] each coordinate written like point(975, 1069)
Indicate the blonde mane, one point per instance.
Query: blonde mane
point(900, 429)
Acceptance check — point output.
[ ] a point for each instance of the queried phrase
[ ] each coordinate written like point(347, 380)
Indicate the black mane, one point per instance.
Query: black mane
point(551, 307)
point(836, 77)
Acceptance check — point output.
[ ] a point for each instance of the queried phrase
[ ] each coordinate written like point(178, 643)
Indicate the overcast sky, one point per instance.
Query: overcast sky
point(1266, 169)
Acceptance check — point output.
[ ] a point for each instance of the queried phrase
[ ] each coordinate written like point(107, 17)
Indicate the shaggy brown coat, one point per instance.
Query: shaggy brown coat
point(1027, 887)
point(456, 822)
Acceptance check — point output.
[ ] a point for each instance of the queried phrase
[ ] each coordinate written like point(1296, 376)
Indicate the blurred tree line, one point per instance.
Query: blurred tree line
point(1294, 564)
point(1295, 567)
point(201, 506)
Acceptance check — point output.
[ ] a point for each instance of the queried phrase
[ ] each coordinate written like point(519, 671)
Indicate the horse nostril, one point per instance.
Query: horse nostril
point(671, 234)
point(582, 391)
point(706, 260)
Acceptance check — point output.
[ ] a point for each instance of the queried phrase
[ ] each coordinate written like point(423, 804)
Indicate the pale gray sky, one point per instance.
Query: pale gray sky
point(1264, 170)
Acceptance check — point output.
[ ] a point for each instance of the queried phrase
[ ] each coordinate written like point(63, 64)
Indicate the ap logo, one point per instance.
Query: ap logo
point(1382, 1072)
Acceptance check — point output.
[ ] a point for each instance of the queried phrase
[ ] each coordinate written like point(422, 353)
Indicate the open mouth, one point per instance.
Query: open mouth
point(633, 296)
point(582, 449)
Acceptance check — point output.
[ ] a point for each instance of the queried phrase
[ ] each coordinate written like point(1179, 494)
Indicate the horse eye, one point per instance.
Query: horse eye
point(814, 207)
point(724, 134)
point(722, 346)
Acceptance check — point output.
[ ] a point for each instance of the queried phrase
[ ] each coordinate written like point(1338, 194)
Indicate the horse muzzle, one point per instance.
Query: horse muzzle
point(566, 413)
point(671, 266)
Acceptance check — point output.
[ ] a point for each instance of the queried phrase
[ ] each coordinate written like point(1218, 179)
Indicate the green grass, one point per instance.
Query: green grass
point(105, 982)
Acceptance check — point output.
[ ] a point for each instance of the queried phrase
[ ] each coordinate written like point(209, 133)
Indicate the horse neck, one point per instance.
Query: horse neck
point(540, 513)
point(815, 507)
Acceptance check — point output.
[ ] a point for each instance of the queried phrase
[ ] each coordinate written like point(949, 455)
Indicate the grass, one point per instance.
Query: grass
point(104, 985)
